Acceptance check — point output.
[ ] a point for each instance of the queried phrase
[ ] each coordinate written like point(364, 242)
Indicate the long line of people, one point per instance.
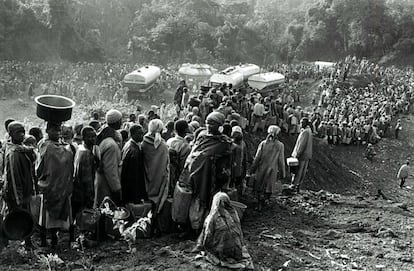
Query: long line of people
point(202, 149)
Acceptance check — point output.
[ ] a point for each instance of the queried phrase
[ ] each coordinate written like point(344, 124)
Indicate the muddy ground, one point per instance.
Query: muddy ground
point(345, 226)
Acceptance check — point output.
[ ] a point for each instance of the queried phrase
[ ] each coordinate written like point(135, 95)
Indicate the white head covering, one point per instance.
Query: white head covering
point(273, 130)
point(236, 129)
point(155, 128)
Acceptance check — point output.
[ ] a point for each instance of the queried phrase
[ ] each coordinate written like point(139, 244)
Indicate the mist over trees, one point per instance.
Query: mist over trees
point(208, 31)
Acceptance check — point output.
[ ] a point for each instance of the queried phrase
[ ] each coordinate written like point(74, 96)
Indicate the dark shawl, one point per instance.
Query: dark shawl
point(208, 167)
point(132, 173)
point(18, 174)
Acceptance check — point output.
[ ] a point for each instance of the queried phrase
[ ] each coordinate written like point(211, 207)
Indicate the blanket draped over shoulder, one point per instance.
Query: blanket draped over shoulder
point(55, 173)
point(157, 177)
point(207, 168)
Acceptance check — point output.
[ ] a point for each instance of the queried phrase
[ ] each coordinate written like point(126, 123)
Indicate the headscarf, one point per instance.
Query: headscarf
point(236, 129)
point(155, 128)
point(273, 131)
point(220, 206)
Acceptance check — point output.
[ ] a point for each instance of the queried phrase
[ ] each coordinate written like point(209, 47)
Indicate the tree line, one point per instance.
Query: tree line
point(208, 31)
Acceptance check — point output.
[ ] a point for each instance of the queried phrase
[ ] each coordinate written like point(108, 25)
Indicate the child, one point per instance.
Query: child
point(85, 164)
point(239, 159)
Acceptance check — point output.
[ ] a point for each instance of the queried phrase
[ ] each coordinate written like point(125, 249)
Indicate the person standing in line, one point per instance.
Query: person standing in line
point(239, 159)
point(132, 173)
point(403, 173)
point(179, 149)
point(303, 152)
point(85, 164)
point(55, 174)
point(207, 168)
point(109, 140)
point(178, 97)
point(19, 159)
point(268, 163)
point(185, 99)
point(258, 114)
point(156, 165)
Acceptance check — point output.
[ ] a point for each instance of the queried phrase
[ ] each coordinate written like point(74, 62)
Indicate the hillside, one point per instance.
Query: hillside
point(204, 31)
point(340, 225)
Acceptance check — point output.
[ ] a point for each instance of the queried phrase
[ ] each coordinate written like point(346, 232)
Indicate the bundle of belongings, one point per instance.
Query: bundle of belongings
point(221, 240)
point(109, 220)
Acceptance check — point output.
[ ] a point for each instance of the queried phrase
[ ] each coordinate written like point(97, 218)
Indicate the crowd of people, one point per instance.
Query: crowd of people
point(351, 115)
point(202, 149)
point(83, 82)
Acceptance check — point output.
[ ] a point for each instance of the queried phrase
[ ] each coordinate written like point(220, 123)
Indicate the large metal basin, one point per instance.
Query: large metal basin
point(54, 108)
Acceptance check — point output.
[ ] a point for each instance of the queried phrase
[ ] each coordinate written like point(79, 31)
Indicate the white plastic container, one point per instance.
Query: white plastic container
point(292, 162)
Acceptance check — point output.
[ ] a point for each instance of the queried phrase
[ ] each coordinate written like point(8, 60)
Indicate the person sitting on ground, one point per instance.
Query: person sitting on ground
point(222, 236)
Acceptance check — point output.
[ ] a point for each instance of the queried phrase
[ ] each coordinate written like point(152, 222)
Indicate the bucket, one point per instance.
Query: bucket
point(240, 208)
point(54, 108)
point(293, 164)
point(18, 225)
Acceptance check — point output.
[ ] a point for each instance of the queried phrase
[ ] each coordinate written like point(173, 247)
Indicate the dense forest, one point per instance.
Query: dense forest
point(208, 31)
